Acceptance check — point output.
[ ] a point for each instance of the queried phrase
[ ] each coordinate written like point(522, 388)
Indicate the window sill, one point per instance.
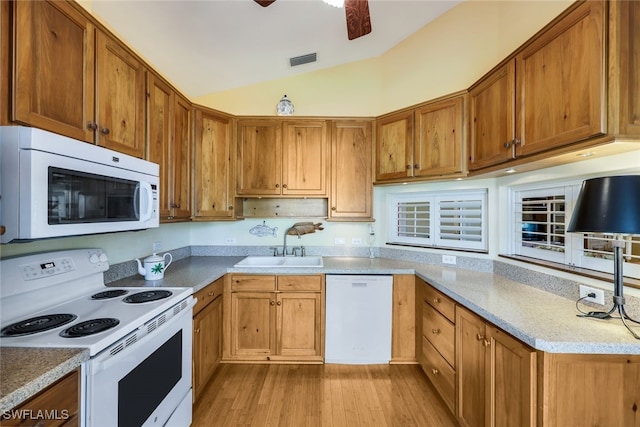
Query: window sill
point(584, 272)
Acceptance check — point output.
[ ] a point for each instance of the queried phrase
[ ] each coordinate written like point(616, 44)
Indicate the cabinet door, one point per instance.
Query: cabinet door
point(511, 387)
point(492, 105)
point(351, 164)
point(305, 158)
point(120, 82)
point(259, 161)
point(439, 145)
point(207, 348)
point(53, 68)
point(182, 154)
point(470, 368)
point(562, 82)
point(394, 146)
point(252, 324)
point(299, 324)
point(159, 117)
point(213, 165)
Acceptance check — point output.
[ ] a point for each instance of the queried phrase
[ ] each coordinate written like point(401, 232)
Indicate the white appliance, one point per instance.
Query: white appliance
point(358, 319)
point(54, 186)
point(139, 339)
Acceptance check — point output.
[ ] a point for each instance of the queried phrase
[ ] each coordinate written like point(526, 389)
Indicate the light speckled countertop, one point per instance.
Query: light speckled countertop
point(26, 371)
point(542, 320)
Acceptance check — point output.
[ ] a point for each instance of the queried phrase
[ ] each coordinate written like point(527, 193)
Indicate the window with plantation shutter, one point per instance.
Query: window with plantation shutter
point(461, 221)
point(540, 216)
point(455, 220)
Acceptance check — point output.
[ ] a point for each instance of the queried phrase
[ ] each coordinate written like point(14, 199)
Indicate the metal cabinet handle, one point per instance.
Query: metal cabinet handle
point(479, 337)
point(333, 208)
point(197, 331)
point(435, 331)
point(435, 371)
point(272, 302)
point(105, 131)
point(436, 300)
point(230, 207)
point(514, 142)
point(279, 302)
point(277, 185)
point(408, 167)
point(416, 166)
point(92, 125)
point(211, 293)
point(486, 343)
point(175, 206)
point(284, 185)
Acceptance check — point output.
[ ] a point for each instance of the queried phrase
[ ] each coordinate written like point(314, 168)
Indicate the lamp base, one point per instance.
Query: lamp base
point(619, 308)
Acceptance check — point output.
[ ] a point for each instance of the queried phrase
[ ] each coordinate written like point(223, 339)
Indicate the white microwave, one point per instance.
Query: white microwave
point(54, 186)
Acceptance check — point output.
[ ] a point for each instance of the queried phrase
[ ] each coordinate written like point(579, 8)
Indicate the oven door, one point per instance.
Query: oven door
point(146, 384)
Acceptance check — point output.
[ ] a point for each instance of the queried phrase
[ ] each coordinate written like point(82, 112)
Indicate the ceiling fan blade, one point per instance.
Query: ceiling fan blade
point(358, 19)
point(264, 3)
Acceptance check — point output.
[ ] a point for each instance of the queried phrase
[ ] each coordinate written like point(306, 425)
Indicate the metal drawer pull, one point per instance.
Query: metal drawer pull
point(435, 331)
point(479, 337)
point(435, 371)
point(436, 300)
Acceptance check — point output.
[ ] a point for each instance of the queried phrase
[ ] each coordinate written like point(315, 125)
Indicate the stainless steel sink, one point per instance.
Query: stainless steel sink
point(274, 261)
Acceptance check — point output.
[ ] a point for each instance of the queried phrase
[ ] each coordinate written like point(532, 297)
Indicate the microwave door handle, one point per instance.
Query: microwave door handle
point(149, 192)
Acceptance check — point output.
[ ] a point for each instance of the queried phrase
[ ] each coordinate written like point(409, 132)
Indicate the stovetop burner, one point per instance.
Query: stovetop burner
point(37, 324)
point(89, 327)
point(114, 293)
point(147, 296)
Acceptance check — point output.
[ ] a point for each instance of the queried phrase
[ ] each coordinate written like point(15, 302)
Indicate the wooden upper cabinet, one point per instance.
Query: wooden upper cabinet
point(351, 170)
point(561, 81)
point(213, 166)
point(426, 141)
point(259, 157)
point(439, 140)
point(169, 145)
point(53, 84)
point(305, 160)
point(160, 111)
point(75, 80)
point(282, 158)
point(624, 69)
point(492, 118)
point(182, 144)
point(120, 95)
point(394, 146)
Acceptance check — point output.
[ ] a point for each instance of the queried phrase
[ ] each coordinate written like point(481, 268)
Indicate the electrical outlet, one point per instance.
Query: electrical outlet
point(230, 240)
point(157, 246)
point(356, 241)
point(449, 259)
point(338, 241)
point(586, 290)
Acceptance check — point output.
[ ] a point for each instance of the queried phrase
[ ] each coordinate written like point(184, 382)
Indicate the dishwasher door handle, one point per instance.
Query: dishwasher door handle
point(359, 284)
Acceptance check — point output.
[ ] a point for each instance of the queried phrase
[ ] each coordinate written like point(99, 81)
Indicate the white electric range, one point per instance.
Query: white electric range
point(139, 339)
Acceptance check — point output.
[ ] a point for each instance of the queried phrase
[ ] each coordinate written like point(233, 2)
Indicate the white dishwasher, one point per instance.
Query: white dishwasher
point(358, 319)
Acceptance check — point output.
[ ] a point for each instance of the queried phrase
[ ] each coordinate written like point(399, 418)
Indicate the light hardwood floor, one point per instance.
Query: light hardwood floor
point(320, 395)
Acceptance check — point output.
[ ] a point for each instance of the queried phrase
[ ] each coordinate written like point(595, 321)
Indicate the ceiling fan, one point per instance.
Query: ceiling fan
point(358, 19)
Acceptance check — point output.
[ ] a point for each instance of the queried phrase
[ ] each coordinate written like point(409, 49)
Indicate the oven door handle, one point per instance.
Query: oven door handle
point(130, 350)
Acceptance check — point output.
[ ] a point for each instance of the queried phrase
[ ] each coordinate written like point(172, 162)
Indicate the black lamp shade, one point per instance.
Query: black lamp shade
point(608, 205)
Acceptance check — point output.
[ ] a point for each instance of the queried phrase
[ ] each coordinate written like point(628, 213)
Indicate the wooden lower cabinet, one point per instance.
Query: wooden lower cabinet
point(275, 318)
point(589, 390)
point(207, 335)
point(496, 375)
point(437, 341)
point(60, 400)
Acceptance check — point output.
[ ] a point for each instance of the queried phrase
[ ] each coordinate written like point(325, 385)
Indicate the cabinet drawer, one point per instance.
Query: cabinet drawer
point(253, 283)
point(300, 283)
point(440, 302)
point(208, 294)
point(439, 331)
point(442, 376)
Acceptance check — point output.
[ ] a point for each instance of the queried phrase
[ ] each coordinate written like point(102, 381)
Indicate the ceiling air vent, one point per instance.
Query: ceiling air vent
point(304, 59)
